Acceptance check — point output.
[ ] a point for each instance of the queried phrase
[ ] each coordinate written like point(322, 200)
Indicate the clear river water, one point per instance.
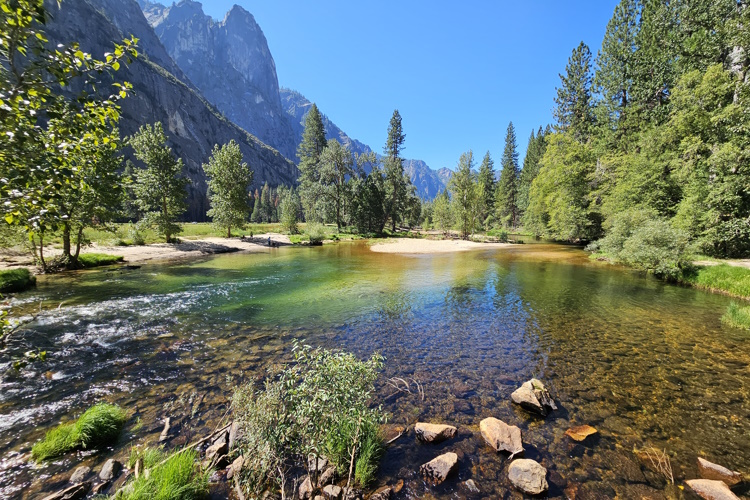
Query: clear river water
point(647, 363)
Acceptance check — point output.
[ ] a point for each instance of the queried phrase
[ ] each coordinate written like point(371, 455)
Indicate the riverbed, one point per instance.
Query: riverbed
point(647, 363)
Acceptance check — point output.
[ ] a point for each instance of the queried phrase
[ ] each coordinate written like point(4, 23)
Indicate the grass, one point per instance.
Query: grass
point(16, 280)
point(737, 316)
point(175, 478)
point(731, 280)
point(98, 259)
point(99, 426)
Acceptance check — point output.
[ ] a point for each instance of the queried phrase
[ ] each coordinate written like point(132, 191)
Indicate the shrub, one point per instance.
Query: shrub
point(177, 477)
point(16, 280)
point(136, 234)
point(99, 426)
point(98, 259)
point(737, 316)
point(316, 232)
point(500, 234)
point(316, 406)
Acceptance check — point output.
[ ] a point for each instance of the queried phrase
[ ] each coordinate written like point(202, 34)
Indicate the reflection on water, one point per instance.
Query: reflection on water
point(644, 362)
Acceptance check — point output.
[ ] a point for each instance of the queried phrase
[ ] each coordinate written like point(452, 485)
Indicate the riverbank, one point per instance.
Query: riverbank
point(425, 246)
point(139, 254)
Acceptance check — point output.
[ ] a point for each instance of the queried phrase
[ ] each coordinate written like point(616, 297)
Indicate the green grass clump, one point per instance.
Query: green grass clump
point(16, 280)
point(98, 259)
point(737, 316)
point(177, 478)
point(732, 280)
point(99, 426)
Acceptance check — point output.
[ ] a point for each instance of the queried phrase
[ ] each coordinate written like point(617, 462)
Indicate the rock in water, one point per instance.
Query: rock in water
point(434, 433)
point(580, 432)
point(711, 490)
point(709, 470)
point(501, 436)
point(219, 447)
point(528, 476)
point(383, 493)
point(80, 474)
point(110, 470)
point(75, 492)
point(438, 469)
point(534, 396)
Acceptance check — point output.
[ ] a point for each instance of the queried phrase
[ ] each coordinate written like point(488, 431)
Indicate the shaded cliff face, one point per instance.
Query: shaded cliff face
point(193, 126)
point(230, 63)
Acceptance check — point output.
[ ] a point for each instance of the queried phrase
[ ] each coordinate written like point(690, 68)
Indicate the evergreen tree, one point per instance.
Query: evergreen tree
point(266, 208)
point(573, 106)
point(336, 168)
point(257, 214)
point(396, 184)
point(531, 162)
point(289, 206)
point(506, 201)
point(368, 195)
point(160, 187)
point(486, 180)
point(309, 151)
point(228, 181)
point(442, 215)
point(464, 194)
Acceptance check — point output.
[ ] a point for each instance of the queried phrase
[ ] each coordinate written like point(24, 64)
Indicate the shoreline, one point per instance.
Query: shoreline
point(140, 254)
point(413, 246)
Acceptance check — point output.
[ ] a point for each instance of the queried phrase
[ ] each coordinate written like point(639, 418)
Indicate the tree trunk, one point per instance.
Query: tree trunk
point(41, 252)
point(229, 231)
point(66, 241)
point(78, 244)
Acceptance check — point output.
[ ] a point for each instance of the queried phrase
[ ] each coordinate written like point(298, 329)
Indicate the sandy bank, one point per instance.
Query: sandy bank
point(422, 246)
point(162, 251)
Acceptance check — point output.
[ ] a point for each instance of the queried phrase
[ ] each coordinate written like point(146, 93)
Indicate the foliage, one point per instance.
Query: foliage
point(99, 426)
point(737, 316)
point(310, 148)
point(465, 195)
point(397, 185)
point(506, 201)
point(49, 138)
point(290, 210)
point(573, 104)
point(174, 477)
point(228, 181)
point(442, 215)
point(732, 280)
point(486, 180)
point(160, 187)
point(500, 234)
point(99, 259)
point(336, 168)
point(531, 164)
point(658, 248)
point(315, 232)
point(318, 406)
point(16, 280)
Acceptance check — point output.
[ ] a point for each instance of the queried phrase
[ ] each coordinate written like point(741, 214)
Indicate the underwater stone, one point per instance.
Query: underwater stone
point(501, 436)
point(437, 470)
point(528, 476)
point(709, 470)
point(110, 470)
point(711, 490)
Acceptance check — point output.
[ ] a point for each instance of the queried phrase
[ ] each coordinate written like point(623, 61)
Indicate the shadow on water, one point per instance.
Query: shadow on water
point(647, 363)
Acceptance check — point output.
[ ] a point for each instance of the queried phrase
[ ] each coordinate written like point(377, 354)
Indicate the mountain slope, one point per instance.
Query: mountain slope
point(193, 126)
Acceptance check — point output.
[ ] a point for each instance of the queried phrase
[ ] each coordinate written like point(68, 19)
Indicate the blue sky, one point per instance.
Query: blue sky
point(458, 72)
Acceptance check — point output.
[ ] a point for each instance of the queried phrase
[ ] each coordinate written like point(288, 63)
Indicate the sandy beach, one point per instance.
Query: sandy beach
point(162, 251)
point(423, 246)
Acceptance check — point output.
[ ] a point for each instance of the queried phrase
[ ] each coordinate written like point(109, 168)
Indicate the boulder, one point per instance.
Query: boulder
point(219, 447)
point(331, 491)
point(528, 476)
point(501, 436)
point(233, 434)
point(384, 493)
point(75, 492)
point(580, 432)
point(434, 433)
point(305, 489)
point(236, 467)
point(709, 470)
point(110, 470)
point(711, 490)
point(327, 476)
point(438, 469)
point(534, 396)
point(80, 474)
point(316, 464)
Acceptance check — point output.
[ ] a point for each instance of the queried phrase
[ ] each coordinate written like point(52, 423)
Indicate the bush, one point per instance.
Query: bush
point(318, 406)
point(16, 280)
point(500, 234)
point(316, 232)
point(136, 234)
point(98, 259)
point(99, 426)
point(177, 478)
point(737, 316)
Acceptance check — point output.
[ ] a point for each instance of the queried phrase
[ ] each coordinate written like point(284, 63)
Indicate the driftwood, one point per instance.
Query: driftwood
point(165, 433)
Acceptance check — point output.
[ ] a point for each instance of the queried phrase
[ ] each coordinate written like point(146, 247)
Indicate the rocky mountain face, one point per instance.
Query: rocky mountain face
point(163, 93)
point(230, 63)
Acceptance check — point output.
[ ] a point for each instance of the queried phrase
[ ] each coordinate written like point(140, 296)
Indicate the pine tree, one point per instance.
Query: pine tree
point(531, 163)
point(506, 201)
point(309, 151)
point(257, 208)
point(573, 110)
point(160, 187)
point(396, 184)
point(486, 180)
point(228, 181)
point(265, 203)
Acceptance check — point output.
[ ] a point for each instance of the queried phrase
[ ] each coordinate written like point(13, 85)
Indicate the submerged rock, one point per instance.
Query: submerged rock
point(711, 490)
point(75, 492)
point(383, 493)
point(471, 486)
point(110, 470)
point(438, 469)
point(528, 476)
point(580, 432)
point(501, 436)
point(534, 396)
point(710, 470)
point(80, 474)
point(434, 433)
